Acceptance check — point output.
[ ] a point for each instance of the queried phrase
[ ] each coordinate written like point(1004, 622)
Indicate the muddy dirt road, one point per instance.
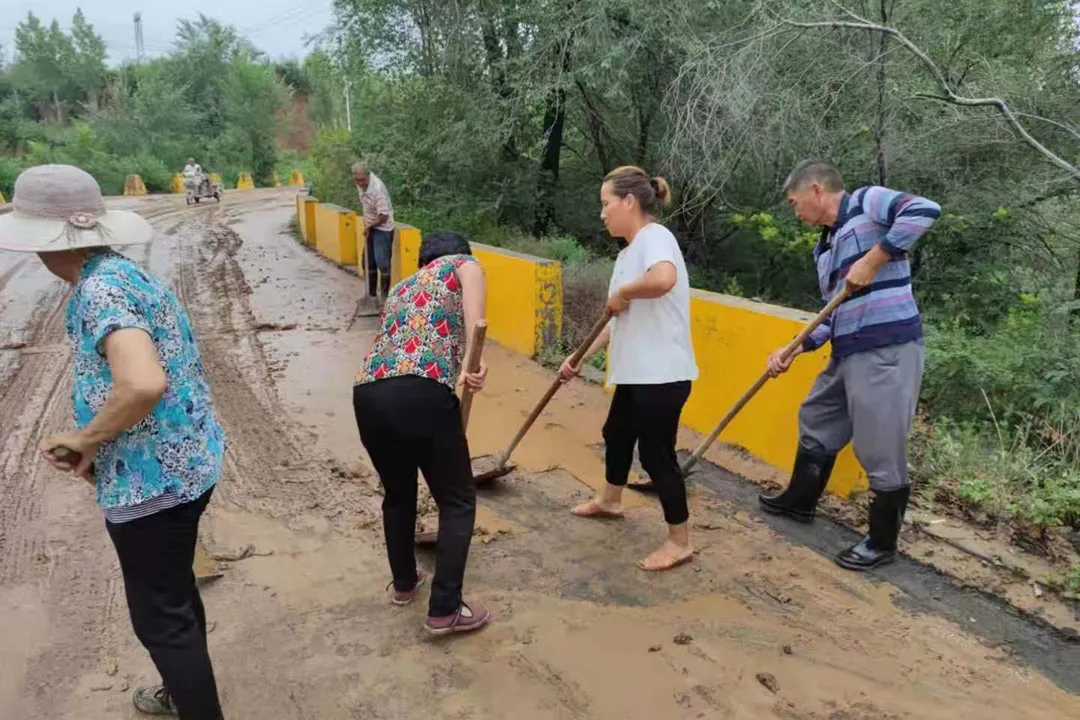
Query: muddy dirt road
point(761, 625)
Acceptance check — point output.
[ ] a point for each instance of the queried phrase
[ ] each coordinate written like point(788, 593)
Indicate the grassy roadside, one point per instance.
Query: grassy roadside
point(1021, 473)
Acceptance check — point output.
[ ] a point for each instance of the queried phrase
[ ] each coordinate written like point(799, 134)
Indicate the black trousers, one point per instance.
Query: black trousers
point(409, 424)
point(379, 247)
point(156, 553)
point(648, 416)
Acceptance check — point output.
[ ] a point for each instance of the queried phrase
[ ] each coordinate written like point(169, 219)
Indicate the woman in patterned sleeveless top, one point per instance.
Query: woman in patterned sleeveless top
point(410, 419)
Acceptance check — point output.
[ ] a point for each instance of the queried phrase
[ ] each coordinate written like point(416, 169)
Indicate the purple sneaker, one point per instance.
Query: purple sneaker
point(466, 619)
point(404, 597)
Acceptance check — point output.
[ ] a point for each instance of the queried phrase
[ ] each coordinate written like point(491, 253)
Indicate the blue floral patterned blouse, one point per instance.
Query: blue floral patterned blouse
point(178, 447)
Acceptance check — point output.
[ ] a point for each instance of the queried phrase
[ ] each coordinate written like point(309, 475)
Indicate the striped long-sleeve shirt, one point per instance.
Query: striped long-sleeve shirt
point(885, 312)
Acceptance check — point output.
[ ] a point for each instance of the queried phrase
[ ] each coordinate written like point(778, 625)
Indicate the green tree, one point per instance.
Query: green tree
point(42, 58)
point(204, 50)
point(252, 101)
point(87, 69)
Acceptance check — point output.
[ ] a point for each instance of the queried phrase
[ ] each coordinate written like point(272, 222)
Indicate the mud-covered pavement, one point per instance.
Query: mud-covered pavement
point(760, 625)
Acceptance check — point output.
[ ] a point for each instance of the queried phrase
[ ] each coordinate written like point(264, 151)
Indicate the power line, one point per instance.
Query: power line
point(285, 16)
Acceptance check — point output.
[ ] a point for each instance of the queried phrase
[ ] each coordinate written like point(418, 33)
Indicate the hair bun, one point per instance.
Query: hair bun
point(663, 190)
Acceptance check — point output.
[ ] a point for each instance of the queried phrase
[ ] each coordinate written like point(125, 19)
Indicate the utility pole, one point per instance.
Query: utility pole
point(140, 52)
point(348, 106)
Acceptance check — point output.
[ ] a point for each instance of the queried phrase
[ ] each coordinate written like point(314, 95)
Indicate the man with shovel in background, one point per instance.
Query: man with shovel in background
point(869, 391)
point(378, 228)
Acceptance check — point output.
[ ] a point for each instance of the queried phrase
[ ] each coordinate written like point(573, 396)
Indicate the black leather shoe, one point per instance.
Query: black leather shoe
point(808, 480)
point(879, 545)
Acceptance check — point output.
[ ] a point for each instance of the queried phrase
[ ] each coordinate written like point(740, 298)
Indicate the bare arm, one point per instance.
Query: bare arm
point(568, 371)
point(473, 302)
point(657, 281)
point(602, 341)
point(139, 382)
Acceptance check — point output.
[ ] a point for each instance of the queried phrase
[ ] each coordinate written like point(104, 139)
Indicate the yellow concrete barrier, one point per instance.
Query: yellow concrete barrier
point(177, 184)
point(310, 206)
point(305, 216)
point(335, 233)
point(406, 252)
point(244, 182)
point(732, 340)
point(134, 185)
point(2, 200)
point(296, 178)
point(524, 308)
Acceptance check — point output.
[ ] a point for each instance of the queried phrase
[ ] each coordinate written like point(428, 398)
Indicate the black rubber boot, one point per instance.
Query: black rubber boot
point(808, 481)
point(879, 546)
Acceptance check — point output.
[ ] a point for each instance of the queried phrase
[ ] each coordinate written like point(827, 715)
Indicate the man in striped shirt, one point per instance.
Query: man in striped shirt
point(868, 393)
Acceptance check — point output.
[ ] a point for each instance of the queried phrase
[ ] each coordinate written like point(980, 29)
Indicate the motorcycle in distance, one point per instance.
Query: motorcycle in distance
point(200, 187)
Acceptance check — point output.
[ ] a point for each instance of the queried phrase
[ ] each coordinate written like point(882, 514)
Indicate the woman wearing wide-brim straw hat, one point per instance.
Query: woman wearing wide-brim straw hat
point(146, 433)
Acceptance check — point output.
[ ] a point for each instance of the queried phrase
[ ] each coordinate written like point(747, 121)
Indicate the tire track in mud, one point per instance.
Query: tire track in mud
point(51, 535)
point(269, 468)
point(27, 402)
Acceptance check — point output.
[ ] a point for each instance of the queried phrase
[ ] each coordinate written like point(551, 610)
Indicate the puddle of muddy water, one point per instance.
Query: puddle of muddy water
point(922, 588)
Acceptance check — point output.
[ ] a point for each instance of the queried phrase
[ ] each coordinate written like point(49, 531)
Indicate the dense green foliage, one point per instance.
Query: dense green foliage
point(501, 117)
point(214, 97)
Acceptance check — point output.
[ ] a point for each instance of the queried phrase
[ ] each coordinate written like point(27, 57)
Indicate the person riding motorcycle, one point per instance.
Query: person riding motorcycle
point(193, 175)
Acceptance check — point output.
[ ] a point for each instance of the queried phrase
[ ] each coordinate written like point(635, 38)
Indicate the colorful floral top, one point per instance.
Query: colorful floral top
point(177, 448)
point(423, 327)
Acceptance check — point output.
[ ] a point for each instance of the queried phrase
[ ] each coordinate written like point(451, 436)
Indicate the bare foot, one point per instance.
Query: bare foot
point(598, 509)
point(667, 556)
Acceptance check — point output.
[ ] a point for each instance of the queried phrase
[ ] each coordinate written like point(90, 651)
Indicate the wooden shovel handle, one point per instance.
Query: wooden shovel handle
point(472, 365)
point(575, 359)
point(764, 378)
point(73, 459)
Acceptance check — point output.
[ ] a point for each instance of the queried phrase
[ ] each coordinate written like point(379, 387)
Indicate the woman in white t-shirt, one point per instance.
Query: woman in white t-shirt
point(650, 357)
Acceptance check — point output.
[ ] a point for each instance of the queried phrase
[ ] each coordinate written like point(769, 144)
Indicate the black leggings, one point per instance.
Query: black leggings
point(408, 424)
point(648, 416)
point(156, 553)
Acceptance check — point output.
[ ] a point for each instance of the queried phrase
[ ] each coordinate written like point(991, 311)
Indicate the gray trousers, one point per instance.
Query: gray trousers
point(869, 399)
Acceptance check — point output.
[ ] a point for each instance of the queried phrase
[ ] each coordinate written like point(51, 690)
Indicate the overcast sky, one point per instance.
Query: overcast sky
point(276, 27)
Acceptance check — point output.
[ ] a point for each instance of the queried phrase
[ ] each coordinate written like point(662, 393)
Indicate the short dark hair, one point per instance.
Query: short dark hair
point(440, 244)
point(814, 170)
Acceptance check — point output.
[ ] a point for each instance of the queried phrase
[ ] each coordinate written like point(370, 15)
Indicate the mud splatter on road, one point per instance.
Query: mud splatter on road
point(302, 628)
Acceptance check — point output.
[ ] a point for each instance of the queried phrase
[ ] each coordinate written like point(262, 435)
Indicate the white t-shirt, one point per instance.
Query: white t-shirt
point(650, 340)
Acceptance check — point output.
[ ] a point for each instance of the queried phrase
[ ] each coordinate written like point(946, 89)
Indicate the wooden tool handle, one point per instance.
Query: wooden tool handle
point(764, 378)
point(472, 365)
point(72, 457)
point(575, 359)
point(364, 269)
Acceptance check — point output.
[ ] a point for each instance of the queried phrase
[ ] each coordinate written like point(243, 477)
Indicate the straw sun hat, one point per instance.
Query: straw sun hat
point(59, 207)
